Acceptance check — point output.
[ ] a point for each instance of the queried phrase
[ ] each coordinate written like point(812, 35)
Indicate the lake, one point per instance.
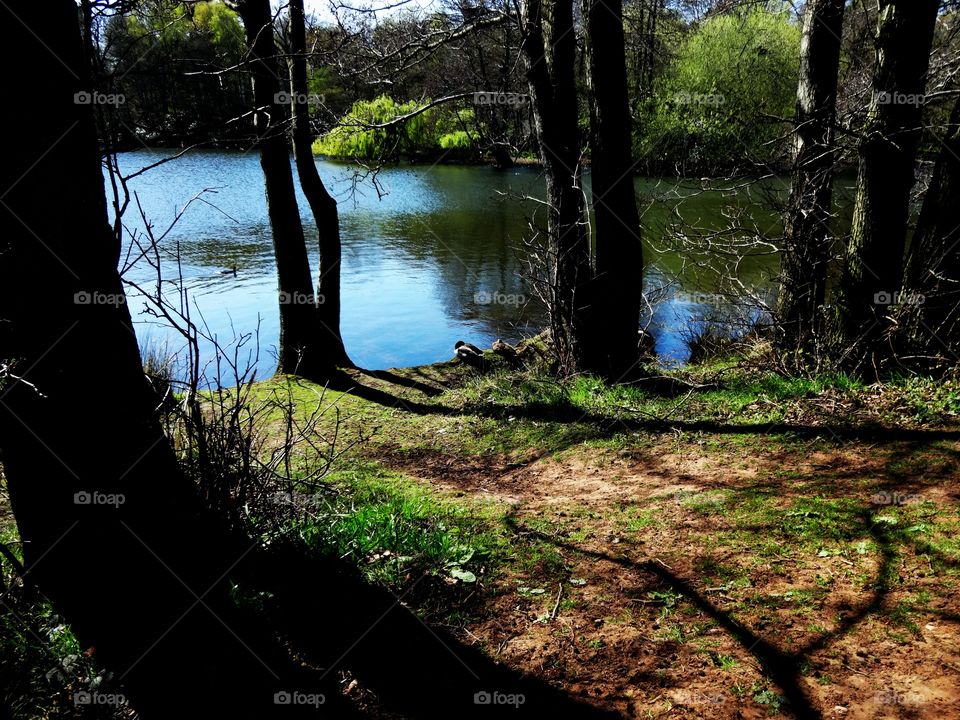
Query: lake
point(431, 255)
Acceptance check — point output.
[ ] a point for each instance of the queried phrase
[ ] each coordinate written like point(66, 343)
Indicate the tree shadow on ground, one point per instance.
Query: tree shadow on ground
point(336, 622)
point(605, 426)
point(350, 384)
point(404, 381)
point(781, 666)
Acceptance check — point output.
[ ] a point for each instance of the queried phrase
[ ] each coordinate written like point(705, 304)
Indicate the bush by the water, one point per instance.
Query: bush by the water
point(441, 129)
point(726, 98)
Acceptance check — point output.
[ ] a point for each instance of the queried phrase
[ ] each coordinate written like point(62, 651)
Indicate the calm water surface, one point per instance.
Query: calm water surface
point(436, 255)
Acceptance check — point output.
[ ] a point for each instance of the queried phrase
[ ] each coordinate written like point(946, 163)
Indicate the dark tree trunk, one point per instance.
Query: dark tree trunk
point(650, 11)
point(549, 50)
point(873, 270)
point(807, 236)
point(617, 290)
point(322, 204)
point(77, 429)
point(147, 581)
point(930, 303)
point(493, 126)
point(302, 346)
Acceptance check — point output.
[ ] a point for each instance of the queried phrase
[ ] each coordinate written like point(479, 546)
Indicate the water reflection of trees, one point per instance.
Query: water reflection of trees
point(459, 232)
point(472, 244)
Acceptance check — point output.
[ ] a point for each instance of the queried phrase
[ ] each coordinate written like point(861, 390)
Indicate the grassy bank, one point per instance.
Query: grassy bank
point(720, 539)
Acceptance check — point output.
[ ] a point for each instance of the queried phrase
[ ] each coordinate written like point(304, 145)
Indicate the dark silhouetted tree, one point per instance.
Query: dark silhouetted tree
point(617, 288)
point(322, 204)
point(307, 346)
point(874, 262)
point(807, 235)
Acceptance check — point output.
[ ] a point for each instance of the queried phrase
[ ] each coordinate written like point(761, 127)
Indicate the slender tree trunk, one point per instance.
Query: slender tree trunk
point(807, 236)
point(302, 345)
point(875, 255)
point(113, 532)
point(653, 15)
point(618, 283)
point(636, 26)
point(930, 303)
point(322, 204)
point(549, 50)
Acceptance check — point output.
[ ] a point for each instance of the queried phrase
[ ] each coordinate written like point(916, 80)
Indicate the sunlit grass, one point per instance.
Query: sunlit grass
point(397, 531)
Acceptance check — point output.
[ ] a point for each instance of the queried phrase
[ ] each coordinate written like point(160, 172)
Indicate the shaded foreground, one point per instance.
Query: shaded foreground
point(758, 546)
point(721, 543)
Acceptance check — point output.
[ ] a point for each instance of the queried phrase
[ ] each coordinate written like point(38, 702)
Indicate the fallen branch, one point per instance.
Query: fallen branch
point(556, 605)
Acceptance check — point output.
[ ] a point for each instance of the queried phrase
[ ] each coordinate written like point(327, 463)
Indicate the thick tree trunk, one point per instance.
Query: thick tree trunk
point(618, 283)
point(875, 255)
point(113, 533)
point(322, 204)
point(807, 235)
point(302, 346)
point(930, 303)
point(549, 55)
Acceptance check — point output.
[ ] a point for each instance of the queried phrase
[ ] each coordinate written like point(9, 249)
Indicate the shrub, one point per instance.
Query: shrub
point(719, 104)
point(434, 131)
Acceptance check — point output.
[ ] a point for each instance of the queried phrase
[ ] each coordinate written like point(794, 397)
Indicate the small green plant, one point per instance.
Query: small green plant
point(773, 701)
point(398, 533)
point(726, 662)
point(673, 632)
point(667, 598)
point(906, 611)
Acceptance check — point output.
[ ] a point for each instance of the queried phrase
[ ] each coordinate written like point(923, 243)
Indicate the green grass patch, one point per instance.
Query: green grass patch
point(397, 531)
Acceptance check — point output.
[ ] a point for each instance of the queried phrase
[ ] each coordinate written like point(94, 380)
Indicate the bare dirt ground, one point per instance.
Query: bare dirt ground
point(722, 579)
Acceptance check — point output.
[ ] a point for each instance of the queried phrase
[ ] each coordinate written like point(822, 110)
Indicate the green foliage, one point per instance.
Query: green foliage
point(397, 532)
point(221, 23)
point(725, 99)
point(427, 134)
point(42, 665)
point(457, 140)
point(929, 399)
point(772, 700)
point(161, 55)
